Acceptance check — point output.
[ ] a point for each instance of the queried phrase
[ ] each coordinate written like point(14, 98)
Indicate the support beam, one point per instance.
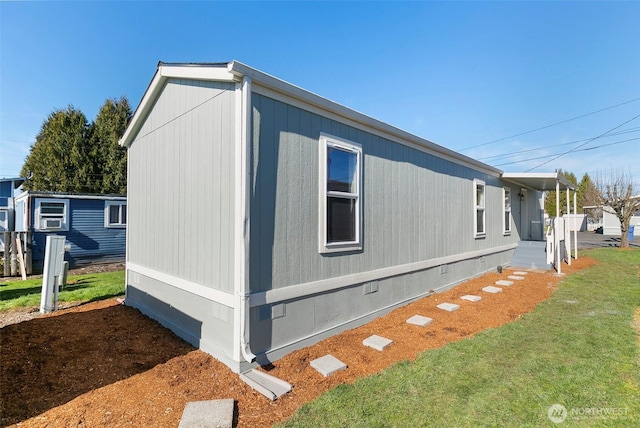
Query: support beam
point(556, 241)
point(567, 230)
point(575, 211)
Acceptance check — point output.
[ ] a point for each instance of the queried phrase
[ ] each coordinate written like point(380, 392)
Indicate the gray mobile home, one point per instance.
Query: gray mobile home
point(263, 218)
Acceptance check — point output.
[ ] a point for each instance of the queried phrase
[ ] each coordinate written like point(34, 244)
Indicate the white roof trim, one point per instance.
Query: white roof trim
point(235, 70)
point(539, 180)
point(143, 109)
point(163, 73)
point(213, 73)
point(274, 84)
point(70, 196)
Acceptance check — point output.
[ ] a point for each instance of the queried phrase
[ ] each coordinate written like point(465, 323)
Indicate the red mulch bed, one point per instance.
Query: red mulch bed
point(104, 364)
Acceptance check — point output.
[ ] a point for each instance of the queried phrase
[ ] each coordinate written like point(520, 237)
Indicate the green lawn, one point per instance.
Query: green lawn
point(577, 349)
point(81, 288)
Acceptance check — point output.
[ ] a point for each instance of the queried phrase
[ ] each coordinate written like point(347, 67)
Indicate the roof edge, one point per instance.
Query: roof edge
point(235, 71)
point(539, 180)
point(278, 85)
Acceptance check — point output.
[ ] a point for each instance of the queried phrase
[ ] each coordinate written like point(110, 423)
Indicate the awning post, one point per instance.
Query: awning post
point(567, 229)
point(555, 232)
point(575, 211)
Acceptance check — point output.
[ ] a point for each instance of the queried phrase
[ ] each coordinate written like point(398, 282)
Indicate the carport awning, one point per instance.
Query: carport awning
point(542, 181)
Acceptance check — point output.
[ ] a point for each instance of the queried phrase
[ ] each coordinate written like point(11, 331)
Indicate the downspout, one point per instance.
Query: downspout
point(244, 164)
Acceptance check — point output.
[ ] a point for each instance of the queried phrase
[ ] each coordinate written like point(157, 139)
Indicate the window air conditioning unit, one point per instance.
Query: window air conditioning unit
point(51, 223)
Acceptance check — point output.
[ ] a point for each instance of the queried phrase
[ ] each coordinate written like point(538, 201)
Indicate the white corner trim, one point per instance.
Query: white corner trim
point(200, 290)
point(325, 285)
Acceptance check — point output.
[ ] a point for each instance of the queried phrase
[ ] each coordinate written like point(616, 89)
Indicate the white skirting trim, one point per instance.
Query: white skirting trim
point(188, 286)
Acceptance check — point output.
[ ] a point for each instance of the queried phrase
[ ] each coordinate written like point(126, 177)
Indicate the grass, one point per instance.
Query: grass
point(578, 349)
point(80, 288)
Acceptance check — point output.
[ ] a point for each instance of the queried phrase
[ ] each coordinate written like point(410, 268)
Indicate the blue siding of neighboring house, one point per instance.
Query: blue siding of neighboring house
point(5, 193)
point(88, 238)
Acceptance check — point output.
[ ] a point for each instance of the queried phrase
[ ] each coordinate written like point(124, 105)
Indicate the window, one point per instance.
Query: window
point(51, 215)
point(340, 194)
point(506, 196)
point(479, 204)
point(115, 214)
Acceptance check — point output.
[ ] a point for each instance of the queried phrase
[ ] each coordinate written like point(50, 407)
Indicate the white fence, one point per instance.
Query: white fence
point(556, 241)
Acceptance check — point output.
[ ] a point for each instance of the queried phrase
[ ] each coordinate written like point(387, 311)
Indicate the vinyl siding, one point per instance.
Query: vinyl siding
point(415, 206)
point(87, 237)
point(181, 183)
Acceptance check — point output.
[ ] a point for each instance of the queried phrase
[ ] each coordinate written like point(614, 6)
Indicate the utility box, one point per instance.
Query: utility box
point(53, 263)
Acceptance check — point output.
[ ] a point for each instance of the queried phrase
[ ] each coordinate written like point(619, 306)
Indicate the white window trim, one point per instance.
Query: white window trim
point(333, 247)
point(506, 225)
point(38, 217)
point(482, 207)
point(109, 225)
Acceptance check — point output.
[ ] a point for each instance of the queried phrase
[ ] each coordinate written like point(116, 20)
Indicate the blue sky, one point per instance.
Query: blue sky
point(461, 74)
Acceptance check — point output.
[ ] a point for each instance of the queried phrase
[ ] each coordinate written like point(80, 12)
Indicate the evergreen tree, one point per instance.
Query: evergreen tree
point(550, 196)
point(73, 156)
point(588, 193)
point(109, 126)
point(60, 160)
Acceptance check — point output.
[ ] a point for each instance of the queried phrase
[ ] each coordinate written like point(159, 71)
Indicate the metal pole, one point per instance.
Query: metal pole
point(567, 229)
point(556, 241)
point(575, 210)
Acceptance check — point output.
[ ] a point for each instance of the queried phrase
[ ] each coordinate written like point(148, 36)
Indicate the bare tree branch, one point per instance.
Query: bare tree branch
point(618, 197)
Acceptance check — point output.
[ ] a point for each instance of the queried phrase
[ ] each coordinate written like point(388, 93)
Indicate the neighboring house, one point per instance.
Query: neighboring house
point(94, 225)
point(263, 218)
point(611, 223)
point(8, 187)
point(576, 222)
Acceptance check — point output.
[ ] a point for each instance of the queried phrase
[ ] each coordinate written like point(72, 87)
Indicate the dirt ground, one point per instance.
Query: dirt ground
point(26, 314)
point(104, 364)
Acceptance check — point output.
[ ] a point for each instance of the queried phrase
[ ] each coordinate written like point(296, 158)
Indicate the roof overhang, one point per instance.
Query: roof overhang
point(235, 71)
point(218, 72)
point(542, 181)
point(61, 195)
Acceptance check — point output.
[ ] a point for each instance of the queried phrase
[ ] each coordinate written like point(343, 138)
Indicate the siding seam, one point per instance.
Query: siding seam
point(322, 286)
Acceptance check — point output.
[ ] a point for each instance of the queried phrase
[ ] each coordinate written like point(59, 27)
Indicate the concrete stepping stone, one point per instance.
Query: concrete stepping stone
point(504, 283)
point(520, 273)
point(328, 365)
point(516, 277)
point(419, 320)
point(377, 342)
point(471, 298)
point(210, 413)
point(267, 385)
point(492, 289)
point(449, 307)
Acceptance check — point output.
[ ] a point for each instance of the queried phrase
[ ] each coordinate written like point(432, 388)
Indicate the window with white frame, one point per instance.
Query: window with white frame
point(115, 214)
point(479, 210)
point(340, 194)
point(51, 214)
point(506, 196)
